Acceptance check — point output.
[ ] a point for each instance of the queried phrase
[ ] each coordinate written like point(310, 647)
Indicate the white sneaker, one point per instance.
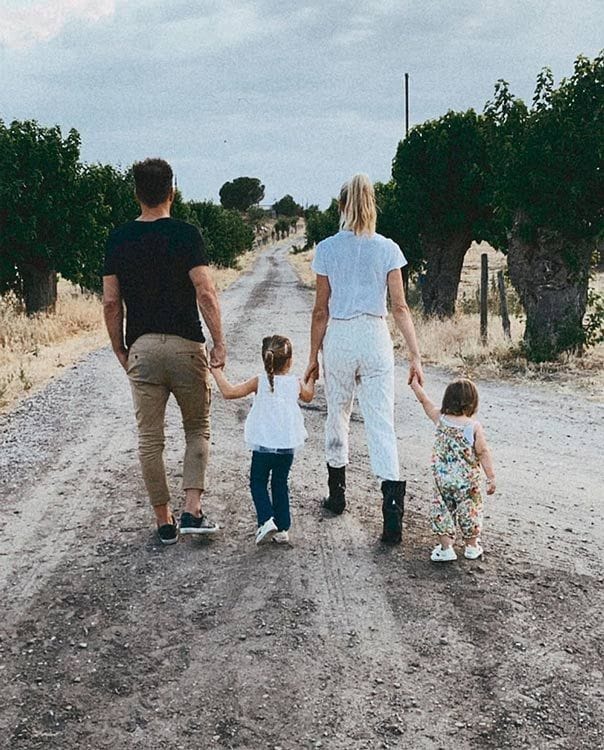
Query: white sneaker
point(266, 531)
point(281, 537)
point(473, 553)
point(443, 555)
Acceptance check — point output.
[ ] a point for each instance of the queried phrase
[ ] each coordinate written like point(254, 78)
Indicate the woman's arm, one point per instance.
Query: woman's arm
point(432, 411)
point(484, 456)
point(230, 391)
point(404, 322)
point(320, 318)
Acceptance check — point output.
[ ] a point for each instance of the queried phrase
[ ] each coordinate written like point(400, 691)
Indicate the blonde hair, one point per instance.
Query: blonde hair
point(357, 205)
point(276, 353)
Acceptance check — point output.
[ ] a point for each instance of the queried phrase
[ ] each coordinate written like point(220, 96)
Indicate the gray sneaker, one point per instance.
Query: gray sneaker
point(190, 524)
point(266, 531)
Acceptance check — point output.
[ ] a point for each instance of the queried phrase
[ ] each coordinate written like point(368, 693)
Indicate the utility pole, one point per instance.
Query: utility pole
point(406, 104)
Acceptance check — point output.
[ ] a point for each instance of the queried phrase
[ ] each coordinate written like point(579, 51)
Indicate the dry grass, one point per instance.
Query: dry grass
point(455, 343)
point(35, 349)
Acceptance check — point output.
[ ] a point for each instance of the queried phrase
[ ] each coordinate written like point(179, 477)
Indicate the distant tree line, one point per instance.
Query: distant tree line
point(527, 179)
point(56, 212)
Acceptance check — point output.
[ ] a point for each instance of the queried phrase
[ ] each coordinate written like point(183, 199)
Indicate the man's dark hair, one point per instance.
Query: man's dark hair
point(153, 181)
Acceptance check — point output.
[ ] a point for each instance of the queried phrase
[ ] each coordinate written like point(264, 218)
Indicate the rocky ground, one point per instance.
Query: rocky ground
point(108, 640)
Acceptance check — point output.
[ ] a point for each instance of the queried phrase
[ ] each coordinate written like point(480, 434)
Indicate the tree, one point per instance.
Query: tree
point(440, 196)
point(38, 193)
point(549, 194)
point(287, 206)
point(322, 224)
point(225, 233)
point(241, 193)
point(104, 199)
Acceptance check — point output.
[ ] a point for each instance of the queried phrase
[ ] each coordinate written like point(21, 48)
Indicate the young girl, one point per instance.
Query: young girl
point(460, 448)
point(273, 430)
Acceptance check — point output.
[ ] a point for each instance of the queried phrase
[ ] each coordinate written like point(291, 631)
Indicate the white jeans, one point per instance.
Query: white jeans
point(358, 352)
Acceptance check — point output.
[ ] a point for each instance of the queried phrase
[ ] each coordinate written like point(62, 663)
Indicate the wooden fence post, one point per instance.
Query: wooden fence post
point(503, 306)
point(484, 297)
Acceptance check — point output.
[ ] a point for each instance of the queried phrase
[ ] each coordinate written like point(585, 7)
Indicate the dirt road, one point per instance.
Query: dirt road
point(108, 640)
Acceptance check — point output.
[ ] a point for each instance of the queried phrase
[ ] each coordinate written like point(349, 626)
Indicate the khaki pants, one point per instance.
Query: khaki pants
point(158, 365)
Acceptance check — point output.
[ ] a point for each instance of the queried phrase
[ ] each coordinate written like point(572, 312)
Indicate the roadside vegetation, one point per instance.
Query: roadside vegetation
point(454, 342)
point(35, 348)
point(529, 180)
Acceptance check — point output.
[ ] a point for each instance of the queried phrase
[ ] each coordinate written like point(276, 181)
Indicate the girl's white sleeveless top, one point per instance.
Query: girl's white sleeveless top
point(275, 419)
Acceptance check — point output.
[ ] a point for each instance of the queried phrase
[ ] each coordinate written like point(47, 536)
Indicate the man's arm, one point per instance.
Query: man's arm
point(207, 301)
point(113, 312)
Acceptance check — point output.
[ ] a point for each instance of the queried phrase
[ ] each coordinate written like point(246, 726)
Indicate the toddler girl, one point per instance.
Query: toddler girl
point(273, 430)
point(460, 448)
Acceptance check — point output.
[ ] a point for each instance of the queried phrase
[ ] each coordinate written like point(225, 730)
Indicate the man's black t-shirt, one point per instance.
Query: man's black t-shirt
point(152, 260)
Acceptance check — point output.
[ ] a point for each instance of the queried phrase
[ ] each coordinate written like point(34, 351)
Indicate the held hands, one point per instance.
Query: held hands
point(312, 371)
point(217, 356)
point(415, 371)
point(416, 386)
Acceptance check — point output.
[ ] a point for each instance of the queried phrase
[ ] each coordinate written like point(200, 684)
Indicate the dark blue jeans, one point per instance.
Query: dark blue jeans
point(276, 466)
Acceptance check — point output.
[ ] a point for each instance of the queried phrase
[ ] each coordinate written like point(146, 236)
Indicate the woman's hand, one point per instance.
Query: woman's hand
point(415, 371)
point(312, 371)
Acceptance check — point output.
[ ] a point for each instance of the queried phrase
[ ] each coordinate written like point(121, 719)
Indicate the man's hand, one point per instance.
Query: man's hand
point(491, 486)
point(122, 356)
point(218, 355)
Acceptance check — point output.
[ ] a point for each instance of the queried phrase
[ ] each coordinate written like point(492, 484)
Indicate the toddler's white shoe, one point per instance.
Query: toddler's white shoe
point(281, 537)
point(266, 531)
point(443, 555)
point(473, 553)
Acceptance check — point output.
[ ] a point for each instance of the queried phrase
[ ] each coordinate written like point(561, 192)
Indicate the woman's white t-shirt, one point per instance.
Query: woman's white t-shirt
point(357, 266)
point(275, 420)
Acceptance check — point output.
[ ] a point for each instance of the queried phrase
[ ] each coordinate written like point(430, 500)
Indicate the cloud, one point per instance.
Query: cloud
point(21, 27)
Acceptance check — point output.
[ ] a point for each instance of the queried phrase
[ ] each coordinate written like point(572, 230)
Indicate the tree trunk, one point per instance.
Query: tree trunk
point(551, 275)
point(444, 261)
point(39, 284)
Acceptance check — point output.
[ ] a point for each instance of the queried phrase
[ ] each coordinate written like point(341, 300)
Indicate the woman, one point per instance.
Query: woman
point(355, 269)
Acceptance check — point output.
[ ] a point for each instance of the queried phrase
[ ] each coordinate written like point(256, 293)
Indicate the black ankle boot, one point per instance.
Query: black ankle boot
point(393, 505)
point(336, 502)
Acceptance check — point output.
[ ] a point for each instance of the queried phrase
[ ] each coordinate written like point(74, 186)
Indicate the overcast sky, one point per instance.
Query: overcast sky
point(300, 94)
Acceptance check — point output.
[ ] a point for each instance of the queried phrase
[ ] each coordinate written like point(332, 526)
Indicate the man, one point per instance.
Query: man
point(157, 267)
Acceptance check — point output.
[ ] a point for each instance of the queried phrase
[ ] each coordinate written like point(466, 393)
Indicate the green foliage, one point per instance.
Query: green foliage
point(392, 223)
point(287, 206)
point(593, 323)
point(39, 216)
point(322, 224)
point(256, 216)
point(241, 193)
point(104, 200)
point(225, 233)
point(548, 161)
point(438, 187)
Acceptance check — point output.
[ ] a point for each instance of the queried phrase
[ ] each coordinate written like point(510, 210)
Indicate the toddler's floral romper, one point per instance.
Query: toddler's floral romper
point(456, 470)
